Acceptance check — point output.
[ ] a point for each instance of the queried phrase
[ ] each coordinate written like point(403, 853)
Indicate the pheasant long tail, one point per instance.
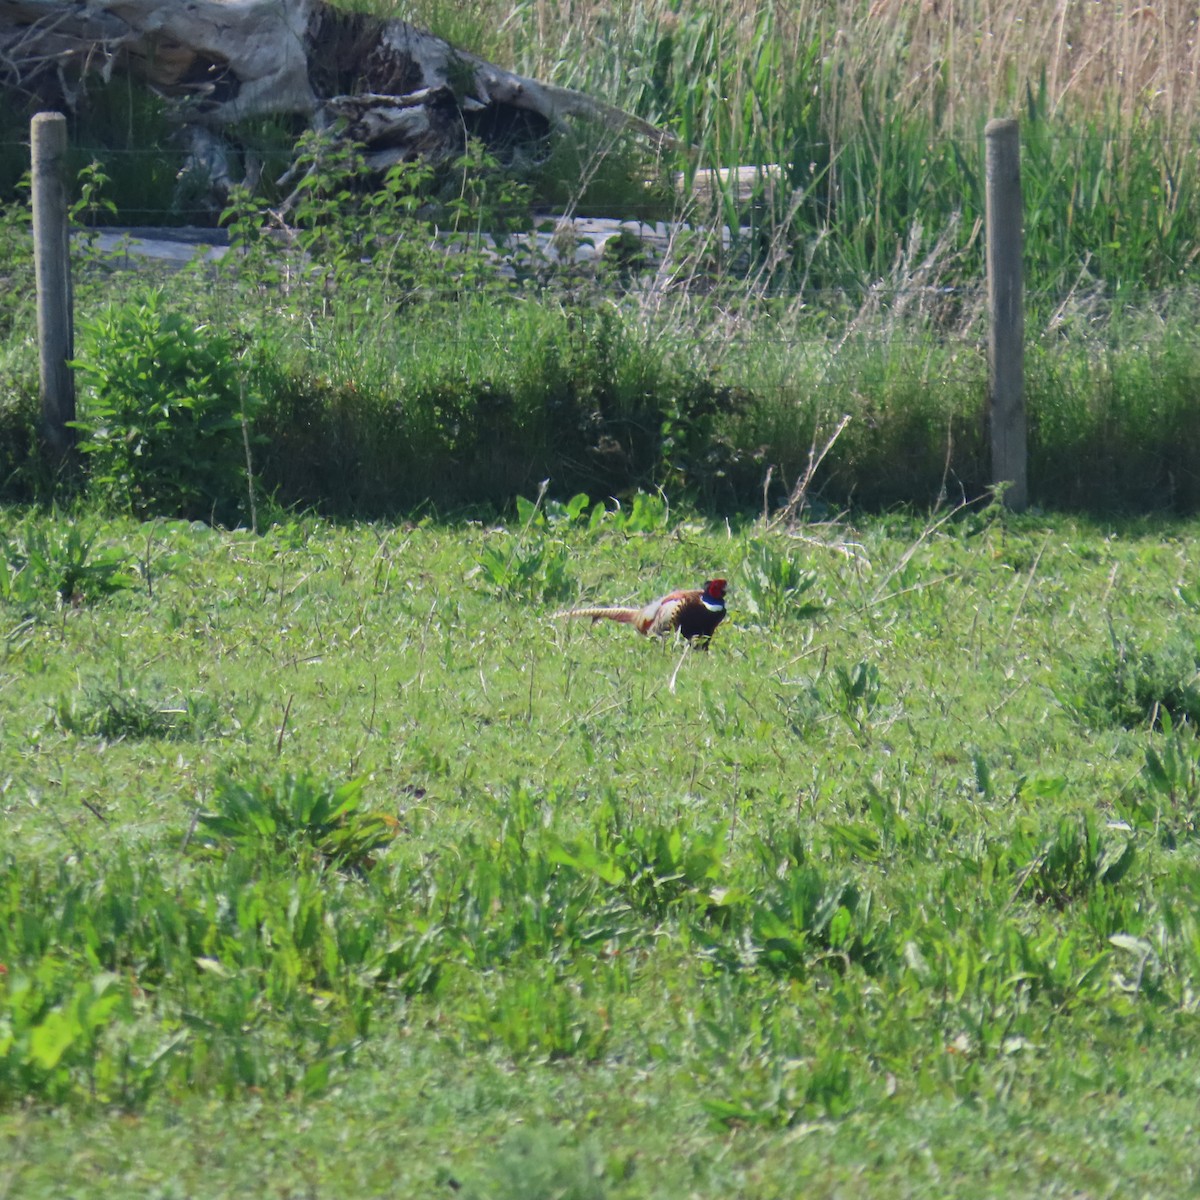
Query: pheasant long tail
point(627, 616)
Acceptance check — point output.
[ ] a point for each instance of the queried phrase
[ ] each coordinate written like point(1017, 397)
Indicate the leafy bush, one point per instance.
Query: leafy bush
point(1071, 858)
point(164, 421)
point(299, 811)
point(44, 564)
point(534, 567)
point(804, 914)
point(773, 583)
point(133, 711)
point(1131, 686)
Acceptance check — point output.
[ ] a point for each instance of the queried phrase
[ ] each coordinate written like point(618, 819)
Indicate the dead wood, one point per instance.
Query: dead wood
point(399, 91)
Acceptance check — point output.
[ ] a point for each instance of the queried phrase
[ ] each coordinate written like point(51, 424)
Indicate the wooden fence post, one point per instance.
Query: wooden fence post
point(1006, 333)
point(52, 267)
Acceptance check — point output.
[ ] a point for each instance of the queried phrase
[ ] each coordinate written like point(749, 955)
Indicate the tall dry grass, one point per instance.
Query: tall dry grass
point(951, 60)
point(874, 113)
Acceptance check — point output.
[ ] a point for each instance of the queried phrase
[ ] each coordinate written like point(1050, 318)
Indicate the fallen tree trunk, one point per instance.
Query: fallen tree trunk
point(398, 90)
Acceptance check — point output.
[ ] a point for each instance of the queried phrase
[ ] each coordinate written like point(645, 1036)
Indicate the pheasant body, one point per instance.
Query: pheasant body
point(694, 613)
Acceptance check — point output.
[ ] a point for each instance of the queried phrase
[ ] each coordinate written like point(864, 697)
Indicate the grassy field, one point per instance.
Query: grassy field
point(334, 866)
point(331, 865)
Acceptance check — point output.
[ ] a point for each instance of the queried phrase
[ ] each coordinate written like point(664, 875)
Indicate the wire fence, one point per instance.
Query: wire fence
point(778, 195)
point(861, 335)
point(1092, 136)
point(580, 257)
point(898, 326)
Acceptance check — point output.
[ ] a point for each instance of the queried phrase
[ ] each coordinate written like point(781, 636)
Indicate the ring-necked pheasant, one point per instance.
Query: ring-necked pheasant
point(694, 613)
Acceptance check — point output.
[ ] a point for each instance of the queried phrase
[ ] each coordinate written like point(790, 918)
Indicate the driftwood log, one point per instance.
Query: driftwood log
point(400, 92)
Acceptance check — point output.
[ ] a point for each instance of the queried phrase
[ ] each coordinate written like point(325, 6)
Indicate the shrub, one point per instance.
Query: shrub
point(20, 467)
point(56, 561)
point(299, 813)
point(1132, 686)
point(163, 421)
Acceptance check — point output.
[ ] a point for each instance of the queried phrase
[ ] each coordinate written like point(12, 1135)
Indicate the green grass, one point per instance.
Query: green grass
point(330, 864)
point(333, 865)
point(377, 402)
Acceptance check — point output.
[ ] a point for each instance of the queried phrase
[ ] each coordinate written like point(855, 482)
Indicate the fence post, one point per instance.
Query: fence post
point(51, 257)
point(1006, 333)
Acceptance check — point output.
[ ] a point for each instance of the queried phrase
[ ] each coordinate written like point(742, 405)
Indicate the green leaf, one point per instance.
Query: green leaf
point(53, 1037)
